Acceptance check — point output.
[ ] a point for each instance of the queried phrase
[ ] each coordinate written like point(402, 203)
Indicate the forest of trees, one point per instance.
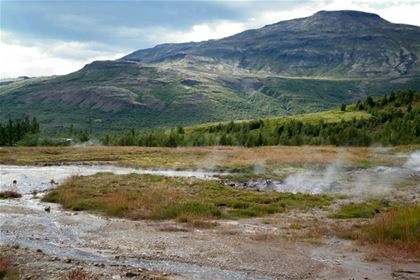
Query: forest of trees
point(13, 131)
point(395, 120)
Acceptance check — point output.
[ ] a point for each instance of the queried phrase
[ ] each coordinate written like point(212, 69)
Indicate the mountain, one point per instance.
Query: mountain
point(295, 66)
point(332, 44)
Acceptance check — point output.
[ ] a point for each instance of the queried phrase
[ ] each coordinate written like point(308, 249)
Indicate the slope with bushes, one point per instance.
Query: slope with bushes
point(390, 120)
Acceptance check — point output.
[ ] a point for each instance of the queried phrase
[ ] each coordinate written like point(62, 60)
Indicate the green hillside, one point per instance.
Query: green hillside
point(389, 120)
point(106, 99)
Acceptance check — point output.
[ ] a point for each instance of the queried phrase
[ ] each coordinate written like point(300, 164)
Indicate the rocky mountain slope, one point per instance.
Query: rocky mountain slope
point(293, 66)
point(331, 44)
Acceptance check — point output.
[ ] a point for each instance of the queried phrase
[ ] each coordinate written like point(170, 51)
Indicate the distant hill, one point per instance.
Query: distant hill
point(295, 66)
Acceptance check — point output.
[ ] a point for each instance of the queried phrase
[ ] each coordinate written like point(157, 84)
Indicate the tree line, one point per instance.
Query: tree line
point(13, 131)
point(395, 120)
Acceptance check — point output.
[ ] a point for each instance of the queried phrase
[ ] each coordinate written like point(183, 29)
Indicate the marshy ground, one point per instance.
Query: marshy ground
point(108, 226)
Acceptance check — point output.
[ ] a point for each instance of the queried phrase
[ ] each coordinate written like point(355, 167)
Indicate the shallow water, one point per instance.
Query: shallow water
point(42, 178)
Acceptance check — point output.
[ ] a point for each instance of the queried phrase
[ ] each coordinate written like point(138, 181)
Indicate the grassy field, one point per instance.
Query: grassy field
point(330, 116)
point(396, 231)
point(238, 159)
point(137, 196)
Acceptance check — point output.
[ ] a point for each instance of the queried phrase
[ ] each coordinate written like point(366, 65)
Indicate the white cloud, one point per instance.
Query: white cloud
point(199, 32)
point(53, 58)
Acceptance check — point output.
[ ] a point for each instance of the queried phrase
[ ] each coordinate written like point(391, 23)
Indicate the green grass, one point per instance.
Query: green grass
point(366, 209)
point(331, 116)
point(137, 196)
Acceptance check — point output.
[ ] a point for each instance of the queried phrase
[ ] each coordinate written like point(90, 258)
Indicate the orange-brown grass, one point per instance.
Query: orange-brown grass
point(7, 271)
point(396, 231)
point(4, 266)
point(309, 230)
point(228, 158)
point(138, 196)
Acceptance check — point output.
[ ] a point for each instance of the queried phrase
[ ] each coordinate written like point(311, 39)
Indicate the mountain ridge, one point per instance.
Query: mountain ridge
point(319, 31)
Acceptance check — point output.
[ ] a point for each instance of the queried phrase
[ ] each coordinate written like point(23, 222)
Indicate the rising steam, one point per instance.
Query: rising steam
point(335, 178)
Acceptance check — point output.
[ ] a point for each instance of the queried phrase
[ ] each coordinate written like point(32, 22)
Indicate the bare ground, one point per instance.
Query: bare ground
point(284, 246)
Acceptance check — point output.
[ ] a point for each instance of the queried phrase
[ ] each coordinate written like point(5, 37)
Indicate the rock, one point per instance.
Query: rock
point(67, 260)
point(116, 277)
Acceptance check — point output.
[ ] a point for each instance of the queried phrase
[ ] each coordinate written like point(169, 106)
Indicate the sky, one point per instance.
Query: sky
point(54, 37)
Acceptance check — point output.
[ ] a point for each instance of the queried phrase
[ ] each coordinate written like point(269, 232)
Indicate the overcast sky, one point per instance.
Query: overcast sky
point(39, 38)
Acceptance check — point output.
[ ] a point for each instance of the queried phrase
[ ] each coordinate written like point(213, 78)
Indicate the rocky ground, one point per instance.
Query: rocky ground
point(285, 246)
point(35, 264)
